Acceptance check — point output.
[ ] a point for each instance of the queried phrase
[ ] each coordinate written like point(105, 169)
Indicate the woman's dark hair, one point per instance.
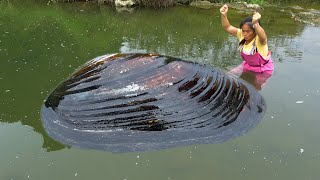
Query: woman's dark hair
point(248, 20)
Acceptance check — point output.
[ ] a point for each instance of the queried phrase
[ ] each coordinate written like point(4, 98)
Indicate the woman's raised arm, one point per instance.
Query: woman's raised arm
point(225, 22)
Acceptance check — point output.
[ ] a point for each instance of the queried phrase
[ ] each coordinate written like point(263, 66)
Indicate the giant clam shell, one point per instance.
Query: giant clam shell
point(139, 102)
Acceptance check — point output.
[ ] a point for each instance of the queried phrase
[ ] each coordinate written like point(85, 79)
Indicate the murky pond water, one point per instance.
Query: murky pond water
point(42, 45)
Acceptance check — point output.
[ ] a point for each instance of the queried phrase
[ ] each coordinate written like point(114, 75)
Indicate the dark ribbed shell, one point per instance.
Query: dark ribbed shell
point(138, 102)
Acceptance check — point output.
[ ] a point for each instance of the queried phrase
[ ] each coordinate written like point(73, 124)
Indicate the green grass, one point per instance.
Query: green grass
point(260, 2)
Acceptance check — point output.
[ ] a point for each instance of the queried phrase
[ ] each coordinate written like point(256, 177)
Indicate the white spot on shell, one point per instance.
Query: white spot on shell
point(130, 88)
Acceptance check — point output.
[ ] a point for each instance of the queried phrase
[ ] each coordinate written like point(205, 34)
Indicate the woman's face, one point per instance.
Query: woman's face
point(248, 33)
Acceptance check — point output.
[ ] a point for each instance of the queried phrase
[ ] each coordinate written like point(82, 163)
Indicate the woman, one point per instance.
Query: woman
point(253, 42)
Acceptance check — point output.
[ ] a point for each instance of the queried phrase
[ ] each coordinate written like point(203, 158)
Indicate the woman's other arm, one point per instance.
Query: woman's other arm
point(259, 30)
point(225, 22)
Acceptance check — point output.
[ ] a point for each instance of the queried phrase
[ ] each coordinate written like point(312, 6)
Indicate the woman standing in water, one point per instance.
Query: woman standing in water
point(253, 45)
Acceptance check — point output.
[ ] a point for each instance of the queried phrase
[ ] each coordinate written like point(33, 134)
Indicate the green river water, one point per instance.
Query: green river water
point(42, 45)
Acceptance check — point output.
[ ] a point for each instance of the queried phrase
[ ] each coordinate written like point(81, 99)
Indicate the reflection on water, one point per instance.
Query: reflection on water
point(258, 80)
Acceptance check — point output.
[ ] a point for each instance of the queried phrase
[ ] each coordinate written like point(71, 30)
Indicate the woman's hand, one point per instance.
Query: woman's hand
point(224, 10)
point(255, 18)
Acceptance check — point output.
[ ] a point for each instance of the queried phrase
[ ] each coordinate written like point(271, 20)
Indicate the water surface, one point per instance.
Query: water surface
point(42, 45)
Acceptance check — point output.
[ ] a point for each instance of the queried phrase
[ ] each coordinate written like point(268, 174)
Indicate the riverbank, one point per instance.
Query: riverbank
point(308, 12)
point(168, 3)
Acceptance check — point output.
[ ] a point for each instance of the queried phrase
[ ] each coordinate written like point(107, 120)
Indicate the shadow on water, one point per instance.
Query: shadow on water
point(42, 45)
